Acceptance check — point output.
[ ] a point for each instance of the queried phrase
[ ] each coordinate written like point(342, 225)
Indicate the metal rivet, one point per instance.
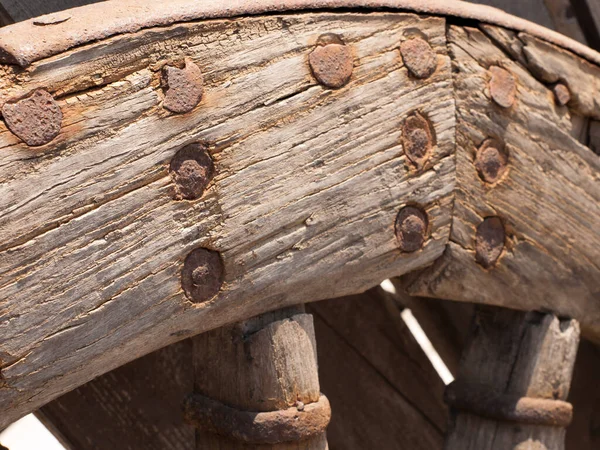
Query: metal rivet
point(51, 19)
point(191, 169)
point(503, 86)
point(417, 139)
point(489, 241)
point(562, 94)
point(418, 57)
point(36, 119)
point(331, 62)
point(202, 275)
point(184, 87)
point(411, 228)
point(491, 161)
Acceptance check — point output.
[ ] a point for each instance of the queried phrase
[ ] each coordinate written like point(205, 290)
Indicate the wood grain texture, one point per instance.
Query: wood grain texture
point(267, 363)
point(515, 353)
point(548, 201)
point(384, 392)
point(92, 241)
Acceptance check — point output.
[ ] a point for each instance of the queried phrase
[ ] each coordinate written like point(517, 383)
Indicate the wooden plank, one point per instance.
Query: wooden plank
point(383, 390)
point(137, 406)
point(547, 200)
point(513, 356)
point(305, 185)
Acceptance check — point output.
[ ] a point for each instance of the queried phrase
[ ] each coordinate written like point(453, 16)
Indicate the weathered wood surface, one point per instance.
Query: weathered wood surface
point(137, 406)
point(308, 184)
point(305, 185)
point(548, 199)
point(518, 355)
point(384, 392)
point(267, 363)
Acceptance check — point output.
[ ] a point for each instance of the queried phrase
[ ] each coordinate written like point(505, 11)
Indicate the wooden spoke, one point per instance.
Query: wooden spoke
point(513, 382)
point(257, 385)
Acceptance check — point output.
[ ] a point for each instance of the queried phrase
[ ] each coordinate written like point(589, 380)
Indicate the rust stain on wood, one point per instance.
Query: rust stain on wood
point(418, 57)
point(202, 275)
point(191, 169)
point(503, 87)
point(35, 119)
point(417, 139)
point(489, 241)
point(491, 161)
point(184, 87)
point(331, 62)
point(411, 228)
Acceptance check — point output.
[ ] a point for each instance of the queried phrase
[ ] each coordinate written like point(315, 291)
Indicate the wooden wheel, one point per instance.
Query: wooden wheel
point(179, 169)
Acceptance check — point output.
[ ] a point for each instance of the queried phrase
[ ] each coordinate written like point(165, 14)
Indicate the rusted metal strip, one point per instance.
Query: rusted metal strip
point(493, 405)
point(294, 424)
point(28, 41)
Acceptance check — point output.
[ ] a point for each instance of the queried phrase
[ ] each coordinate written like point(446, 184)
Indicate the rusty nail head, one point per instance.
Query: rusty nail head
point(51, 19)
point(191, 170)
point(202, 275)
point(489, 241)
point(418, 57)
point(491, 161)
point(503, 86)
point(36, 119)
point(184, 87)
point(331, 61)
point(417, 139)
point(562, 94)
point(411, 228)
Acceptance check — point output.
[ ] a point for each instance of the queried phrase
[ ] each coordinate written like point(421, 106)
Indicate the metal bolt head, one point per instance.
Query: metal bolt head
point(417, 139)
point(562, 94)
point(184, 87)
point(36, 119)
point(419, 58)
point(411, 228)
point(503, 87)
point(491, 161)
point(489, 241)
point(331, 61)
point(51, 19)
point(202, 275)
point(191, 170)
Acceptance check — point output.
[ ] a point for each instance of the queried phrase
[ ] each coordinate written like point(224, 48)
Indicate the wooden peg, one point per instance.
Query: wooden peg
point(257, 386)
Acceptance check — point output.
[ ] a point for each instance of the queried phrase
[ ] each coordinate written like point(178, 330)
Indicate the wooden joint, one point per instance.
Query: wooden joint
point(297, 423)
point(491, 404)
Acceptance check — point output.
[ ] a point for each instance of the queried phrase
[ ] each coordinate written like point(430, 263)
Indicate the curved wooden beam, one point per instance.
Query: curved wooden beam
point(126, 205)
